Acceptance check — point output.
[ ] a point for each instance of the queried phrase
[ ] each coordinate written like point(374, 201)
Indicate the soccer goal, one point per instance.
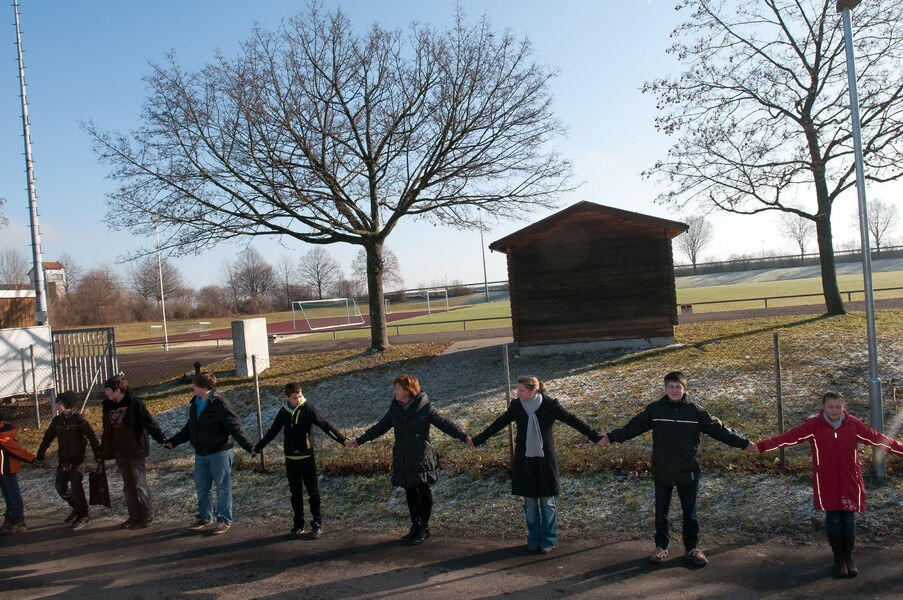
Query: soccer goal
point(326, 314)
point(437, 294)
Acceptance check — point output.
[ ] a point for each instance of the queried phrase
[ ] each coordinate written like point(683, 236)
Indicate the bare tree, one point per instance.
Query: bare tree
point(251, 278)
point(799, 229)
point(882, 219)
point(392, 279)
point(287, 271)
point(696, 238)
point(145, 278)
point(3, 220)
point(74, 272)
point(762, 109)
point(13, 267)
point(319, 270)
point(325, 135)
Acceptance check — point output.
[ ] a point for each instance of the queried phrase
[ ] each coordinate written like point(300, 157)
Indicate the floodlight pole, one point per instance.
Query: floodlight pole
point(876, 407)
point(483, 249)
point(160, 277)
point(40, 298)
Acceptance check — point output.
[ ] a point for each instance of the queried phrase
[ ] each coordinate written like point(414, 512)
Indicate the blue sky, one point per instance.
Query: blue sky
point(86, 60)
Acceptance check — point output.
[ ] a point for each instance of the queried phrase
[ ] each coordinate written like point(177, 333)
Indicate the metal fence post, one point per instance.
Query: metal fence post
point(259, 414)
point(508, 400)
point(34, 387)
point(779, 392)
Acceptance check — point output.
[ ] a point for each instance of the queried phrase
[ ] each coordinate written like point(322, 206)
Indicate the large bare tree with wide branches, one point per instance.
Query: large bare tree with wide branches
point(762, 109)
point(323, 135)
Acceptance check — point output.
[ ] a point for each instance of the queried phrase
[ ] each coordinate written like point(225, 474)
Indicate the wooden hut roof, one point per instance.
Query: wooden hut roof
point(673, 228)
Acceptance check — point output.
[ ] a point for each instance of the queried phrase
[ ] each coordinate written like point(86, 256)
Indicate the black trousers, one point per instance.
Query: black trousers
point(69, 486)
point(135, 488)
point(420, 503)
point(300, 474)
point(687, 493)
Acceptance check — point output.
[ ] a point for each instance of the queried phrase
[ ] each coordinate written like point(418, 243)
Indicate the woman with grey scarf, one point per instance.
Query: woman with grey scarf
point(534, 474)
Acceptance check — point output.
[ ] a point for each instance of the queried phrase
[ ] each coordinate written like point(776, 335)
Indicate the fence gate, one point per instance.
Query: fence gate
point(85, 358)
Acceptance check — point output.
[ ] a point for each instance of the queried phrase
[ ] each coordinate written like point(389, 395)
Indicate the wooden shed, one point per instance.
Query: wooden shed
point(592, 275)
point(16, 308)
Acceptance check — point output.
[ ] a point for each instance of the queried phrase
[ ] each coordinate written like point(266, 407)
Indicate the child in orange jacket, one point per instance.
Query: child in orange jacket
point(11, 457)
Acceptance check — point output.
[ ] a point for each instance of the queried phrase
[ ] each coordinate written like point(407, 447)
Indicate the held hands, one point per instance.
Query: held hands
point(468, 442)
point(352, 444)
point(604, 441)
point(167, 444)
point(752, 448)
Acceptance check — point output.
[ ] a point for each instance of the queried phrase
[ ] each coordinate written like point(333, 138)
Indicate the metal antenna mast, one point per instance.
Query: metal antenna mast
point(38, 268)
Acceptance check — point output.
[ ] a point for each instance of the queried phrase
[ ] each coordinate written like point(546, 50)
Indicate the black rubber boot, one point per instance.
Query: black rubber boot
point(849, 541)
point(840, 568)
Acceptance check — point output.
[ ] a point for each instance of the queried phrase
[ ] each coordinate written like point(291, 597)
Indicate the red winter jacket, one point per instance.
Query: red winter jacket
point(12, 455)
point(836, 475)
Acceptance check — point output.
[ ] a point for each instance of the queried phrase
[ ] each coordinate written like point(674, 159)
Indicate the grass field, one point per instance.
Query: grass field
point(471, 307)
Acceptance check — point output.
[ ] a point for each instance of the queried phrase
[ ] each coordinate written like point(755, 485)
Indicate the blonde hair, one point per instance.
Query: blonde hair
point(532, 383)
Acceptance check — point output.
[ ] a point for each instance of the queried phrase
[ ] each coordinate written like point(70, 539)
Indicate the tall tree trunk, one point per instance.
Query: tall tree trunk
point(831, 291)
point(379, 336)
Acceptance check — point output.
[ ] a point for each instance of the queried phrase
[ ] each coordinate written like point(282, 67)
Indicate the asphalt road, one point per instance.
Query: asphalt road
point(166, 561)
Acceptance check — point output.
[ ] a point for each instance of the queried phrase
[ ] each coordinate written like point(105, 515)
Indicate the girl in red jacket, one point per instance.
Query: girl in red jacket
point(12, 455)
point(837, 484)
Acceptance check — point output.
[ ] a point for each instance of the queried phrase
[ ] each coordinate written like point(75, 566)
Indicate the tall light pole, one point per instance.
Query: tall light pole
point(483, 249)
point(876, 406)
point(160, 277)
point(37, 262)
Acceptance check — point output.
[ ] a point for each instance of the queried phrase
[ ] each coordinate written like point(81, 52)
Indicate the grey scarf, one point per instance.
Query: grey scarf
point(834, 424)
point(534, 437)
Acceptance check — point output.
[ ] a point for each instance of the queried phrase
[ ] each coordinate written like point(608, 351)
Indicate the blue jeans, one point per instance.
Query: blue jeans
point(542, 523)
point(9, 485)
point(135, 488)
point(209, 470)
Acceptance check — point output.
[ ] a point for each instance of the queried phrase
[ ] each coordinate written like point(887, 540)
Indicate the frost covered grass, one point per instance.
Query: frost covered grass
point(606, 493)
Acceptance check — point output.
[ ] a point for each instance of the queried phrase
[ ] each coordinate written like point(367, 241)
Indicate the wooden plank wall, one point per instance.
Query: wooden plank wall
point(16, 312)
point(588, 278)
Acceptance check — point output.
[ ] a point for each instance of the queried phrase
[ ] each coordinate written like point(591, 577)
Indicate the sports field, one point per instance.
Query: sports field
point(472, 312)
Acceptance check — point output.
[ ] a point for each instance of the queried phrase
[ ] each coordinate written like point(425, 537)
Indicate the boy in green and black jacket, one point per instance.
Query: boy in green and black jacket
point(296, 417)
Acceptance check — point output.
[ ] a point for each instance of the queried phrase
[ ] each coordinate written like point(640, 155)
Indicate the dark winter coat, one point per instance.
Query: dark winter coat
point(675, 437)
point(210, 433)
point(837, 482)
point(536, 477)
point(72, 432)
point(297, 422)
point(413, 459)
point(126, 425)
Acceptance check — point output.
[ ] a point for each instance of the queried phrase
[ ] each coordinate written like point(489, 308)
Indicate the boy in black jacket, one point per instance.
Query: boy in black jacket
point(676, 423)
point(210, 424)
point(72, 432)
point(296, 416)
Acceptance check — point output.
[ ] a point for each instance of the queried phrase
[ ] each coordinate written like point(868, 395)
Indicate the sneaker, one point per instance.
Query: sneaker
point(546, 549)
point(127, 524)
point(532, 549)
point(79, 523)
point(17, 527)
point(420, 536)
point(315, 530)
point(221, 528)
point(72, 516)
point(696, 557)
point(199, 525)
point(142, 524)
point(296, 534)
point(659, 555)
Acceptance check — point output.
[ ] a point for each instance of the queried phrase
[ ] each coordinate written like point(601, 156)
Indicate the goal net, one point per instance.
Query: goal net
point(436, 300)
point(326, 314)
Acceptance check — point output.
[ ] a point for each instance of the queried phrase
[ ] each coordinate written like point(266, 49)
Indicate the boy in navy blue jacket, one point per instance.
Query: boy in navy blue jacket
point(296, 417)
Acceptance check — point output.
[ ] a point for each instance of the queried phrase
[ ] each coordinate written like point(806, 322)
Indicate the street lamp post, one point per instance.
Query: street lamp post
point(162, 297)
point(876, 407)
